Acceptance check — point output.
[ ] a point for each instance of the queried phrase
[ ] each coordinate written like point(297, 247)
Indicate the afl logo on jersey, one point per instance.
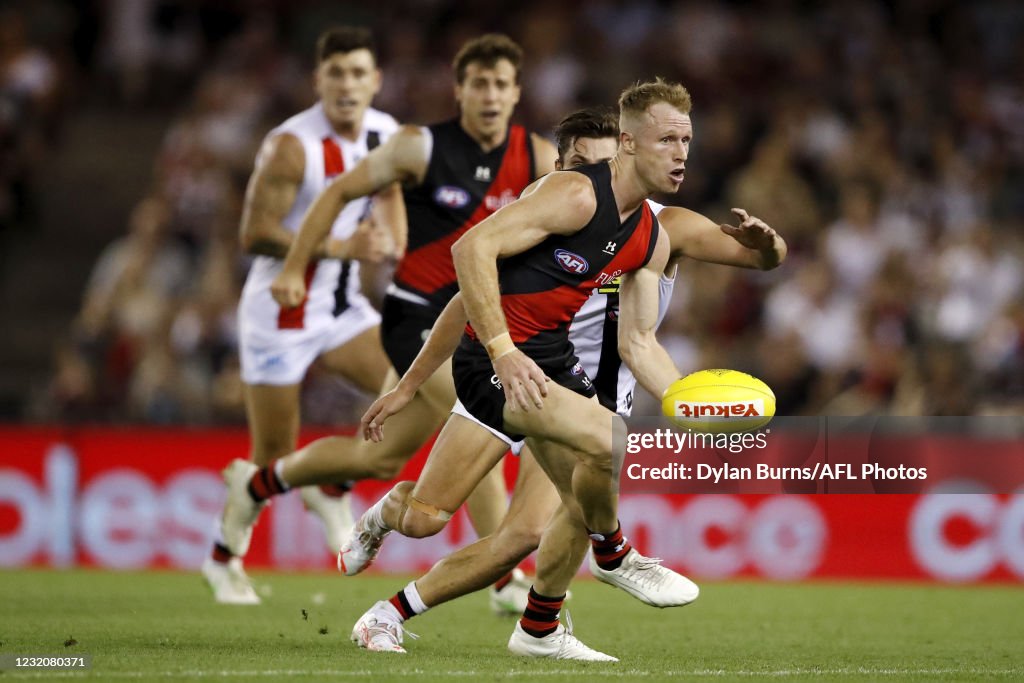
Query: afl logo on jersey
point(570, 262)
point(451, 196)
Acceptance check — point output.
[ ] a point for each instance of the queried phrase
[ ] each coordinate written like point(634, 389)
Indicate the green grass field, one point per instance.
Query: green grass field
point(143, 626)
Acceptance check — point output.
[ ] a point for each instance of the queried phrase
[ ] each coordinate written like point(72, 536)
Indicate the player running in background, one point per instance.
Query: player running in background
point(584, 137)
point(454, 174)
point(335, 323)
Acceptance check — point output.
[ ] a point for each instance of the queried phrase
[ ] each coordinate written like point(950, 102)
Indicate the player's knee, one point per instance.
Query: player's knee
point(596, 447)
point(416, 524)
point(416, 518)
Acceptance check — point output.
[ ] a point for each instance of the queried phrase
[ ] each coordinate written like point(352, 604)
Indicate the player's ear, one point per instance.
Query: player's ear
point(627, 142)
point(558, 164)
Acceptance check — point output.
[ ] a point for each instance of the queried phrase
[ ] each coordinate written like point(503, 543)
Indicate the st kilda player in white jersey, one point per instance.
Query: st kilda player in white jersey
point(279, 344)
point(335, 323)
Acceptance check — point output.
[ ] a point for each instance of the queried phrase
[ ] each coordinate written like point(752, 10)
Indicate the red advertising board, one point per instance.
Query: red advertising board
point(136, 498)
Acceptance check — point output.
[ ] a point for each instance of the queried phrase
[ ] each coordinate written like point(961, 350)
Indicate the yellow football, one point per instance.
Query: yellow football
point(719, 401)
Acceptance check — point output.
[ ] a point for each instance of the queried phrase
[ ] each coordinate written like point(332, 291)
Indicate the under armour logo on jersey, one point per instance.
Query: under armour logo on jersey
point(483, 173)
point(496, 382)
point(610, 248)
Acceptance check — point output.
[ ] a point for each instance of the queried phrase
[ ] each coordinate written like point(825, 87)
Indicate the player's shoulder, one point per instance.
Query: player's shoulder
point(381, 121)
point(574, 190)
point(544, 153)
point(306, 122)
point(283, 153)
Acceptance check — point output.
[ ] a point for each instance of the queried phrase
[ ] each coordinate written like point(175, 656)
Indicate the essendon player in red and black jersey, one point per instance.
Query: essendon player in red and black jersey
point(464, 183)
point(543, 287)
point(568, 232)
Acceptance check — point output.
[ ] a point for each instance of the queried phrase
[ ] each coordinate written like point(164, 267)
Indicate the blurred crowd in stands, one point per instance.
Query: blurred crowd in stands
point(884, 141)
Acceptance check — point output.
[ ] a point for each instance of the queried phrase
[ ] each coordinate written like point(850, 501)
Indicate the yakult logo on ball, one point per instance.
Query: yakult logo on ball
point(720, 410)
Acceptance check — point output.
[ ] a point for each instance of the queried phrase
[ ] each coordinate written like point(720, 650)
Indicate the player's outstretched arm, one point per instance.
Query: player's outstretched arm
point(440, 345)
point(752, 244)
point(401, 159)
point(559, 204)
point(638, 318)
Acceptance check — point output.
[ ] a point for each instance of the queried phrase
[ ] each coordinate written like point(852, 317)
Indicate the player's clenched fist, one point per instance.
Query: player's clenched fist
point(288, 289)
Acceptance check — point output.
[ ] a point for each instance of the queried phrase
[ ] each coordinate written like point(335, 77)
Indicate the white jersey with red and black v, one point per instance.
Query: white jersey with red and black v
point(277, 345)
point(544, 287)
point(463, 185)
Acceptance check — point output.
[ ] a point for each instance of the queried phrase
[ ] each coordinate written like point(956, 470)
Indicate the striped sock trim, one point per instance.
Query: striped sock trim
point(541, 615)
point(336, 490)
point(265, 484)
point(412, 596)
point(401, 603)
point(221, 554)
point(609, 549)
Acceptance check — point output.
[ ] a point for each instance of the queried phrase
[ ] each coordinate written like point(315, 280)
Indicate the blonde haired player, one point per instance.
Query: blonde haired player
point(529, 235)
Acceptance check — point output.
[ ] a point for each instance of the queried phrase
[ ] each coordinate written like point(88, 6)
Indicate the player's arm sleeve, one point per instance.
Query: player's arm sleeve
point(561, 203)
point(280, 168)
point(638, 318)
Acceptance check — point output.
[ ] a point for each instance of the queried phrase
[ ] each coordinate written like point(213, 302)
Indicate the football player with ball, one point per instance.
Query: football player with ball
point(416, 512)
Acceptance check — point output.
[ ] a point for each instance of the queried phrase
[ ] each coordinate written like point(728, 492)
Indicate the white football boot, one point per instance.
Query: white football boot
point(362, 546)
point(646, 580)
point(561, 644)
point(240, 510)
point(378, 630)
point(335, 514)
point(511, 600)
point(229, 583)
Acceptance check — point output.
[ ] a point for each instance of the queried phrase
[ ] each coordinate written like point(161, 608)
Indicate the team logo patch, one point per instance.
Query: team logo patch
point(577, 369)
point(451, 196)
point(570, 262)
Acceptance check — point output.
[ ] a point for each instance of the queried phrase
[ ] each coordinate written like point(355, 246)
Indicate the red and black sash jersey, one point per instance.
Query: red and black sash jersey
point(543, 287)
point(463, 185)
